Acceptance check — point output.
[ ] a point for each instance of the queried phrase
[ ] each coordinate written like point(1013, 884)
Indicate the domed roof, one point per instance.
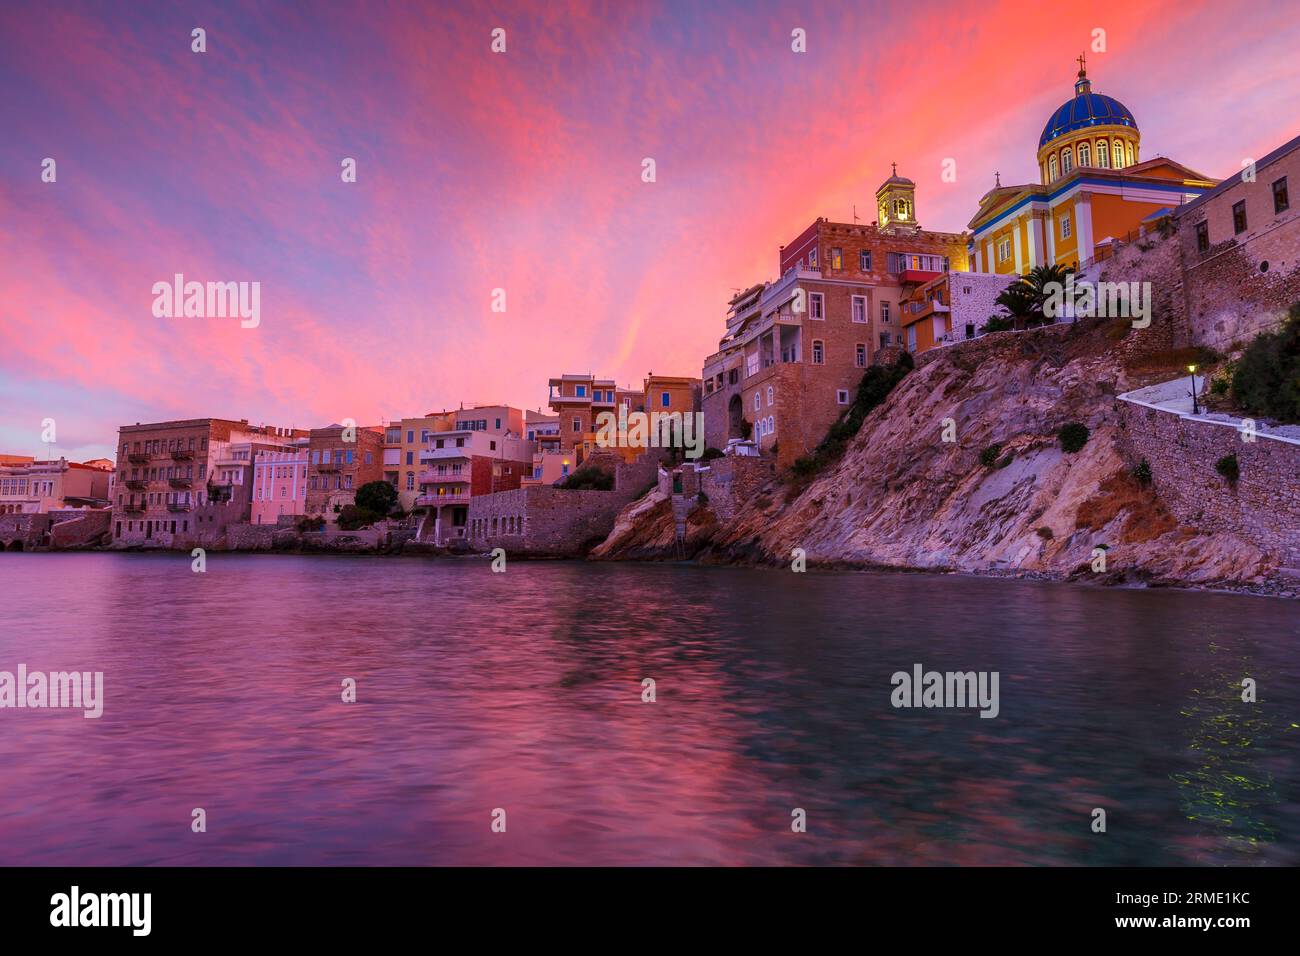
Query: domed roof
point(1084, 110)
point(895, 180)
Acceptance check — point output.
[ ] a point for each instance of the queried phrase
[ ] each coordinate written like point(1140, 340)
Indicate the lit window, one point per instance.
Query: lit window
point(837, 259)
point(1067, 161)
point(1119, 155)
point(1065, 227)
point(1103, 154)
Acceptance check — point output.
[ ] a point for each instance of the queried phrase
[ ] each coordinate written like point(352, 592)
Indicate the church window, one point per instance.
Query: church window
point(1051, 169)
point(1119, 155)
point(1085, 155)
point(1103, 154)
point(1067, 161)
point(1128, 154)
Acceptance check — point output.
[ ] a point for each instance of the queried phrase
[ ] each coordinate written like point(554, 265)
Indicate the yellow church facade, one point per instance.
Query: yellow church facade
point(1094, 187)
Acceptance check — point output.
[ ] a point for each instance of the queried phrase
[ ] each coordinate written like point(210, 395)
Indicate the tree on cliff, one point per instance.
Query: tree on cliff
point(1267, 378)
point(1025, 298)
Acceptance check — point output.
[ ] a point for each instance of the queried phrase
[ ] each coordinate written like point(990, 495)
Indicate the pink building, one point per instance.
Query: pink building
point(279, 485)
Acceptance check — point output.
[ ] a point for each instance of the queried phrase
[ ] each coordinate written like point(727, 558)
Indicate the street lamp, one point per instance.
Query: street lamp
point(1196, 409)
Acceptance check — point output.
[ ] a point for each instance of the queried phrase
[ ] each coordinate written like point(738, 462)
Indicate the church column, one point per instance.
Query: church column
point(1083, 226)
point(1035, 241)
point(1015, 246)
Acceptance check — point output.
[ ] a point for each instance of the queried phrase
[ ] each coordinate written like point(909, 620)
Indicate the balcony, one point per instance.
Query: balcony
point(433, 478)
point(138, 458)
point(425, 501)
point(137, 484)
point(177, 506)
point(182, 454)
point(917, 276)
point(180, 482)
point(445, 454)
point(329, 466)
point(133, 507)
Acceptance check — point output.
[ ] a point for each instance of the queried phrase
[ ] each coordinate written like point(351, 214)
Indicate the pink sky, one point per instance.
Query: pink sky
point(519, 171)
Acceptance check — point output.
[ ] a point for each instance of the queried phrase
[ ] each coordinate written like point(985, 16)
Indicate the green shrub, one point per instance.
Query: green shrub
point(1073, 436)
point(379, 497)
point(1045, 533)
point(711, 453)
point(989, 456)
point(999, 323)
point(1227, 466)
point(1266, 381)
point(310, 523)
point(352, 518)
point(589, 478)
point(1142, 472)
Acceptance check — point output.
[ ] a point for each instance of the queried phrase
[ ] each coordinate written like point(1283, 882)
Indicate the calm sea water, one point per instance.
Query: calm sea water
point(522, 691)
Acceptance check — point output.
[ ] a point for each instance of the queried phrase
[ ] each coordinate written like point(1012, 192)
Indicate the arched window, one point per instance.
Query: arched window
point(1051, 170)
point(769, 395)
point(758, 401)
point(1067, 161)
point(1119, 155)
point(1085, 155)
point(1128, 153)
point(1103, 154)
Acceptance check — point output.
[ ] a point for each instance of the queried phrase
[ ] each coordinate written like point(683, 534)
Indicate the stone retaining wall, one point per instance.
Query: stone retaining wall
point(1262, 506)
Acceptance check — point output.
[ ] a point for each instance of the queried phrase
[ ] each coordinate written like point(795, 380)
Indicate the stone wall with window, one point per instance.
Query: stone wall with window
point(1241, 253)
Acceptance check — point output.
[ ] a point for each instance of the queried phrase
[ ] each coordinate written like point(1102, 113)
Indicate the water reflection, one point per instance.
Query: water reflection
point(523, 691)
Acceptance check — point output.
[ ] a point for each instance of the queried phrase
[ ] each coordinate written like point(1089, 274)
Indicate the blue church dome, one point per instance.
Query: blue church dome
point(1084, 110)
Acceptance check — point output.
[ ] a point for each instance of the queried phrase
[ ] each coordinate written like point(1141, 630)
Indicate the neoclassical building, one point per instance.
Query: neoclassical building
point(1094, 186)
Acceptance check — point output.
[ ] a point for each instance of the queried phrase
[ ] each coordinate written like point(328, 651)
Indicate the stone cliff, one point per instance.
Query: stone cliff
point(903, 497)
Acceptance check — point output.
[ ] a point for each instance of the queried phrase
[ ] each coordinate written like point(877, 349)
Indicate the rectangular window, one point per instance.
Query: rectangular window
point(842, 396)
point(859, 308)
point(577, 424)
point(410, 436)
point(884, 312)
point(837, 258)
point(1202, 237)
point(1281, 201)
point(410, 481)
point(816, 306)
point(860, 355)
point(818, 352)
point(1065, 230)
point(812, 257)
point(1004, 249)
point(410, 455)
point(864, 260)
point(580, 391)
point(1239, 217)
point(664, 400)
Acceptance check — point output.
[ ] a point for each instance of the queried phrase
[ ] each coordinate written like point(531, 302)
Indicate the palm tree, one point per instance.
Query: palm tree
point(1024, 299)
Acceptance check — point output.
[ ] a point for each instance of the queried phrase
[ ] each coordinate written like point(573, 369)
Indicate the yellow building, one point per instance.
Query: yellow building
point(1093, 187)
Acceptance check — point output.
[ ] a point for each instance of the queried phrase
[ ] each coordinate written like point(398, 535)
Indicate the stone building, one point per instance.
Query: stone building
point(339, 461)
point(796, 348)
point(1240, 250)
point(29, 486)
point(184, 481)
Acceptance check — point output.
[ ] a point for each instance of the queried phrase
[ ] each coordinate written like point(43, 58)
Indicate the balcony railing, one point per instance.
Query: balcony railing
point(435, 500)
point(329, 466)
point(137, 484)
point(182, 454)
point(138, 458)
point(180, 482)
point(433, 478)
point(177, 506)
point(436, 454)
point(133, 507)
